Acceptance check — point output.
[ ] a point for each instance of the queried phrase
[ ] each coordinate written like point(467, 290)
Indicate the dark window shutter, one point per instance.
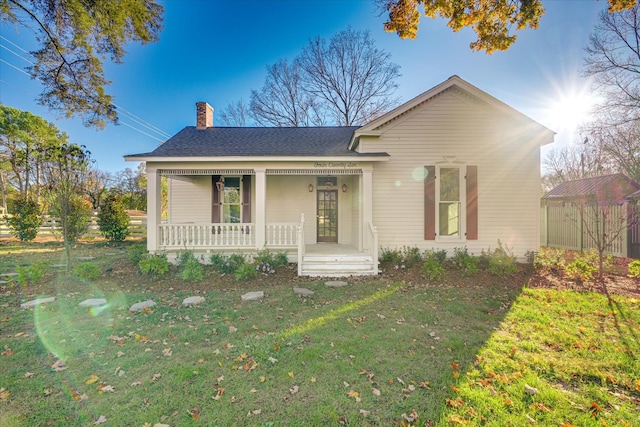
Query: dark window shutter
point(215, 200)
point(430, 203)
point(246, 199)
point(472, 203)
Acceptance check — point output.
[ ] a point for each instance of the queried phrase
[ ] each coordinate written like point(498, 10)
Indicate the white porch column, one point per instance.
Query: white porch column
point(366, 191)
point(261, 208)
point(154, 209)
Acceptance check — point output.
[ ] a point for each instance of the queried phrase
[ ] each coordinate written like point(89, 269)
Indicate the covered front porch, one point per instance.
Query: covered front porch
point(319, 215)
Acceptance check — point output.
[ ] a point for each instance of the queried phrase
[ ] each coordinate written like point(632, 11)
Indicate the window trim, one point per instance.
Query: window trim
point(462, 192)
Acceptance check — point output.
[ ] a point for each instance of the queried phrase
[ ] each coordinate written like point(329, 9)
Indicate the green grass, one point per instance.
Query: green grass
point(364, 354)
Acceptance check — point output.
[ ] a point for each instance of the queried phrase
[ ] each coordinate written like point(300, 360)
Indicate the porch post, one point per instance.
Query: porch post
point(261, 208)
point(367, 202)
point(154, 202)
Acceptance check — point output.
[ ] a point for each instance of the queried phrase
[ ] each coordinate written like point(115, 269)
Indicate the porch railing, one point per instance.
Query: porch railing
point(206, 235)
point(301, 246)
point(371, 243)
point(203, 236)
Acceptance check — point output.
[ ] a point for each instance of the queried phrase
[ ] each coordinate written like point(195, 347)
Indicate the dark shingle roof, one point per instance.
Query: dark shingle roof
point(257, 141)
point(609, 187)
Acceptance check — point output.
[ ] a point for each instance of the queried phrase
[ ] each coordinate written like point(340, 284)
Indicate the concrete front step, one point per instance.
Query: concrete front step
point(337, 265)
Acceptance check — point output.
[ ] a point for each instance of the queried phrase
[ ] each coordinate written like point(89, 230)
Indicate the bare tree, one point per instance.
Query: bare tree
point(236, 114)
point(613, 61)
point(352, 79)
point(621, 144)
point(282, 101)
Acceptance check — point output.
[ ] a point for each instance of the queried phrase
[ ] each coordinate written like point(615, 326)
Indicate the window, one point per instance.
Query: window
point(451, 202)
point(449, 206)
point(231, 205)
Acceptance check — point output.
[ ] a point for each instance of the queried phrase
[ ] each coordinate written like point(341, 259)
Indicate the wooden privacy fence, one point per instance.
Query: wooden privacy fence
point(562, 227)
point(51, 227)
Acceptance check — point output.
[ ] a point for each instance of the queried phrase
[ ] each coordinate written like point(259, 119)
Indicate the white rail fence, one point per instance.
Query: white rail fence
point(51, 227)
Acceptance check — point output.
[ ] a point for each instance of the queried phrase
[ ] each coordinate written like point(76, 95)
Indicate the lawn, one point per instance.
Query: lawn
point(397, 350)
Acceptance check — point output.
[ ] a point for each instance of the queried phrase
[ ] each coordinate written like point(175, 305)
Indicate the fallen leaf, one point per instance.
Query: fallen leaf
point(413, 416)
point(7, 351)
point(294, 390)
point(254, 412)
point(155, 378)
point(135, 383)
point(4, 394)
point(101, 420)
point(120, 354)
point(273, 360)
point(364, 413)
point(530, 390)
point(47, 391)
point(58, 366)
point(195, 413)
point(106, 388)
point(219, 393)
point(92, 379)
point(291, 375)
point(375, 391)
point(29, 374)
point(354, 394)
point(232, 329)
point(167, 352)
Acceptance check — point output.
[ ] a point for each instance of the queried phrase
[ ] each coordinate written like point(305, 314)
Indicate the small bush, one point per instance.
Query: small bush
point(549, 259)
point(31, 274)
point(246, 272)
point(591, 257)
point(154, 265)
point(432, 267)
point(113, 220)
point(391, 256)
point(137, 252)
point(464, 261)
point(634, 268)
point(184, 257)
point(227, 264)
point(411, 256)
point(87, 271)
point(501, 261)
point(192, 270)
point(26, 219)
point(267, 262)
point(580, 270)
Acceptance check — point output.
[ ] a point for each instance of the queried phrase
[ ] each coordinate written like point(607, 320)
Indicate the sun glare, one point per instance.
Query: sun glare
point(569, 109)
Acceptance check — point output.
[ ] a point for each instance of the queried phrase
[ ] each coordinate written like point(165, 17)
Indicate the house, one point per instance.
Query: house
point(580, 213)
point(452, 168)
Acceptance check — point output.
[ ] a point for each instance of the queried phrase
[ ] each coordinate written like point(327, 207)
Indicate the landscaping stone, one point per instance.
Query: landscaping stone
point(303, 292)
point(37, 301)
point(86, 258)
point(59, 266)
point(252, 296)
point(335, 284)
point(193, 301)
point(93, 302)
point(3, 282)
point(139, 306)
point(12, 274)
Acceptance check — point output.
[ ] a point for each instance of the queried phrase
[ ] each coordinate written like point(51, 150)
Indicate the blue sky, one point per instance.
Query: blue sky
point(217, 51)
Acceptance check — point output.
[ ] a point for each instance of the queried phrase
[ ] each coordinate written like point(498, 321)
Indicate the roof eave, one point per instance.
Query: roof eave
point(369, 157)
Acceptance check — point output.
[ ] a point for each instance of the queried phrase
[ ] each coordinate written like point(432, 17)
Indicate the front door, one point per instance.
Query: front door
point(327, 216)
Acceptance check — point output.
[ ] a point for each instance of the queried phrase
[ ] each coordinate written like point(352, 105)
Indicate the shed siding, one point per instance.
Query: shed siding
point(190, 201)
point(454, 128)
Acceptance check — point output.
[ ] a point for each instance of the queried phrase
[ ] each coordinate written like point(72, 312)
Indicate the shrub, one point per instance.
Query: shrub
point(549, 258)
point(113, 220)
point(406, 257)
point(26, 219)
point(75, 217)
point(192, 270)
point(137, 252)
point(580, 270)
point(267, 262)
point(391, 256)
point(184, 257)
point(87, 271)
point(501, 260)
point(31, 273)
point(432, 267)
point(411, 256)
point(227, 264)
point(246, 272)
point(634, 268)
point(154, 265)
point(464, 261)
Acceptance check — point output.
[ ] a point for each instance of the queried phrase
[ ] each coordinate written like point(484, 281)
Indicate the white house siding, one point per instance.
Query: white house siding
point(467, 131)
point(288, 197)
point(190, 201)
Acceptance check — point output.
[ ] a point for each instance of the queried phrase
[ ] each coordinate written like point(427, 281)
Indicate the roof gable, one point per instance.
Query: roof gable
point(374, 128)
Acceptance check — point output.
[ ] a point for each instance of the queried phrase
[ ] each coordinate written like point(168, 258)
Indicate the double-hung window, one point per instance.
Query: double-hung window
point(449, 202)
point(231, 202)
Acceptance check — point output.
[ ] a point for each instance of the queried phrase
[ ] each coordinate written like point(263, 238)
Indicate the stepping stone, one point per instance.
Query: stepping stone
point(335, 284)
point(59, 266)
point(3, 282)
point(86, 258)
point(12, 274)
point(139, 306)
point(93, 302)
point(37, 301)
point(303, 292)
point(252, 296)
point(187, 302)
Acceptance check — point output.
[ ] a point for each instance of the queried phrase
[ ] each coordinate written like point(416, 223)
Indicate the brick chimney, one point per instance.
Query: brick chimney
point(204, 115)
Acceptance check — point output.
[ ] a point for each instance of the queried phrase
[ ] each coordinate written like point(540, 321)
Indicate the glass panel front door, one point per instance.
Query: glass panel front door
point(327, 216)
